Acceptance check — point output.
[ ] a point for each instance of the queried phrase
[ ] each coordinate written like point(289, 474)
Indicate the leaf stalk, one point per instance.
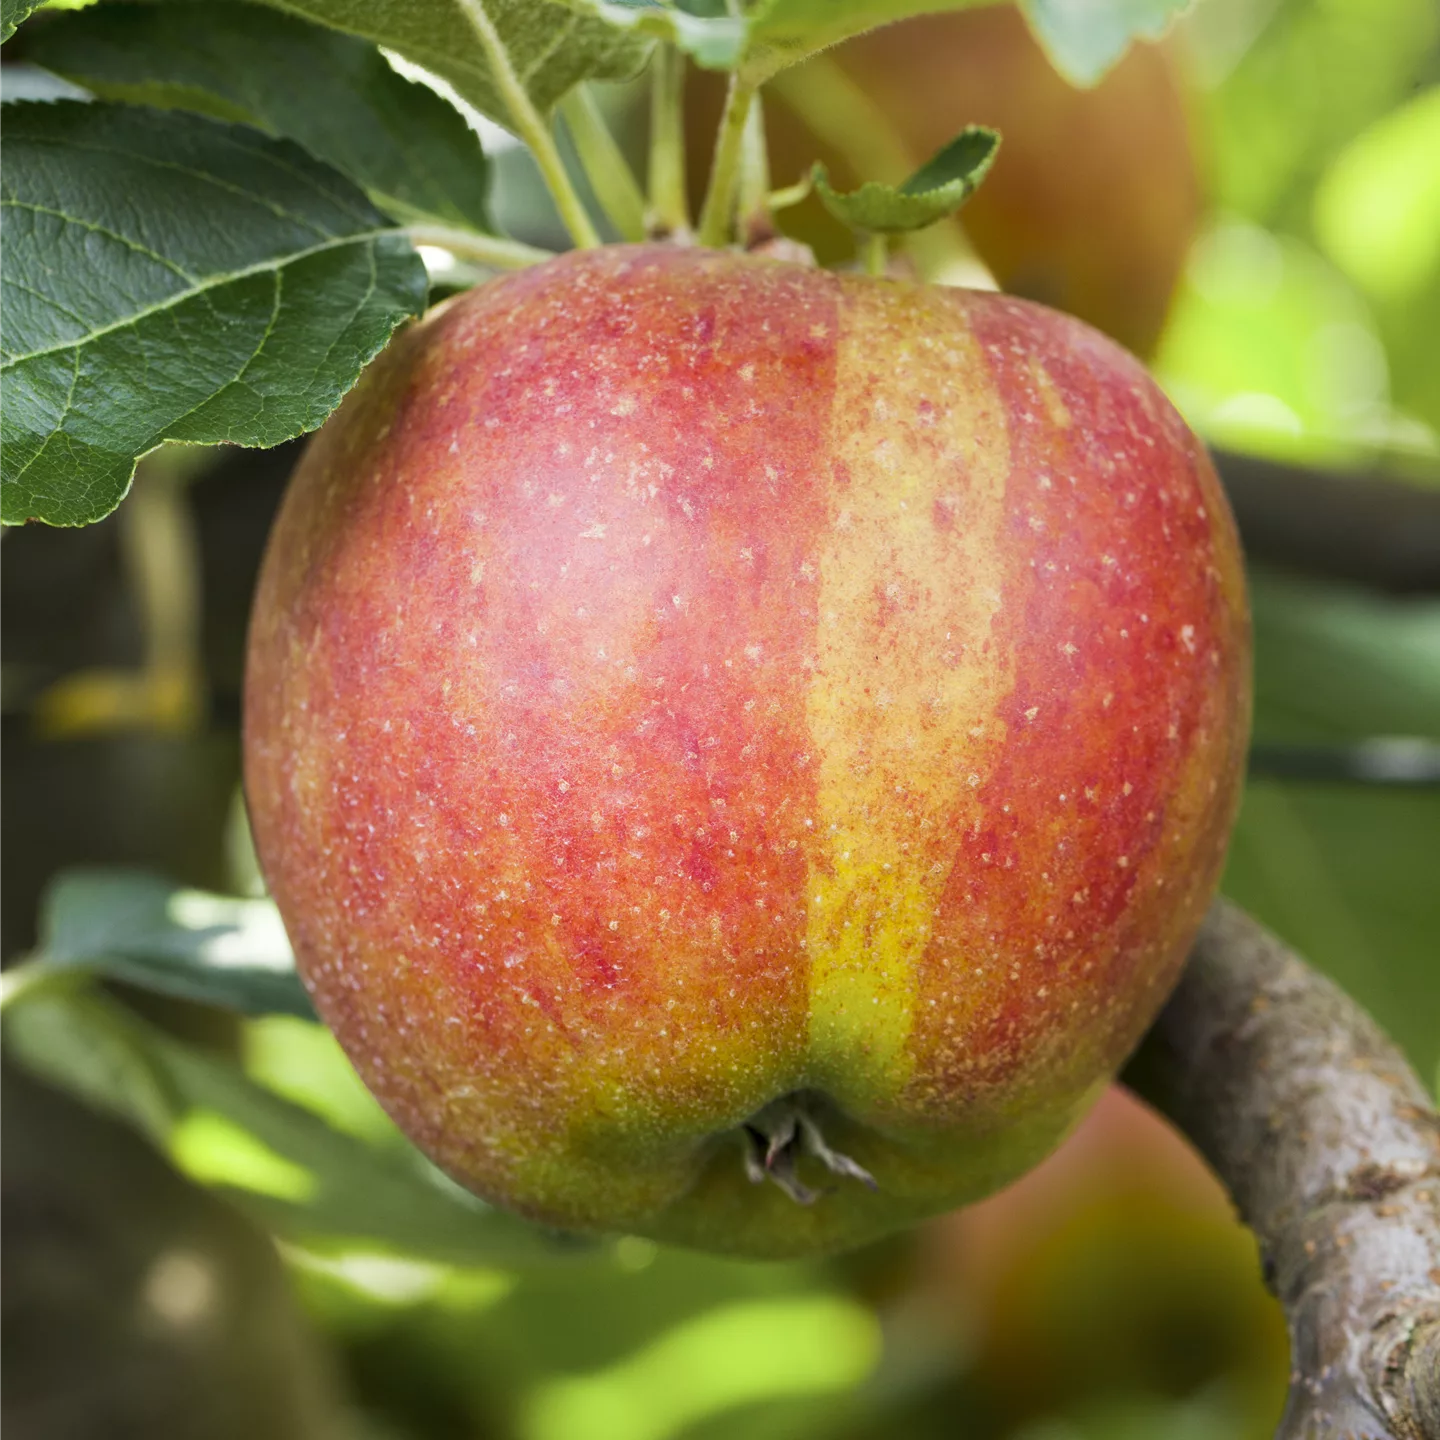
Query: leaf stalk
point(532, 128)
point(669, 212)
point(498, 252)
point(606, 167)
point(718, 212)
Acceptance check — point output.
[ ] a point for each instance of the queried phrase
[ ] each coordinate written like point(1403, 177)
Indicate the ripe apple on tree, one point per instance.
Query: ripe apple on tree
point(741, 751)
point(712, 719)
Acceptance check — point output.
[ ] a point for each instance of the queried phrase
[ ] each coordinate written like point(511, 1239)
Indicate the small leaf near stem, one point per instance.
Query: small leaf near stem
point(531, 127)
point(606, 167)
point(669, 212)
point(717, 214)
point(937, 189)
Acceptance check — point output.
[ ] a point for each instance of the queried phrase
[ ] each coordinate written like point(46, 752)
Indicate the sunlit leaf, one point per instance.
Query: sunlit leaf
point(13, 13)
point(139, 928)
point(280, 1162)
point(729, 1356)
point(1377, 208)
point(1269, 348)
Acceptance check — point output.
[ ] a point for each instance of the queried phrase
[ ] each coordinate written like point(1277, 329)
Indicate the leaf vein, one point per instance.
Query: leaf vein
point(201, 287)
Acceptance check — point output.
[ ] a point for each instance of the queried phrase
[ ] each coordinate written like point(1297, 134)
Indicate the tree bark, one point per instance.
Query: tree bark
point(1330, 1147)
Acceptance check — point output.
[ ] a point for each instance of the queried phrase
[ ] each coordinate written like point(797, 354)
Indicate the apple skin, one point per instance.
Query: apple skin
point(680, 680)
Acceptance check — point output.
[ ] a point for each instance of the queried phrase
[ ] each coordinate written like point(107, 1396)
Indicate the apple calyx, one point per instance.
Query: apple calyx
point(775, 1139)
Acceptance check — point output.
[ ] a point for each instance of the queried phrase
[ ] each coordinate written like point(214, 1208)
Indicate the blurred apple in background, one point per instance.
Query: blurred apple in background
point(1092, 203)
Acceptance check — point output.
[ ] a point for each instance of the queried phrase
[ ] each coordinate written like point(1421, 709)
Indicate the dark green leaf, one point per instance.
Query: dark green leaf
point(12, 13)
point(546, 46)
point(406, 147)
point(127, 925)
point(939, 188)
point(171, 278)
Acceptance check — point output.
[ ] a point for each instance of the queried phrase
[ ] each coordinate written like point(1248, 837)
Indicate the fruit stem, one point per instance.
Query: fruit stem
point(876, 254)
point(605, 165)
point(752, 198)
point(531, 127)
point(719, 208)
point(495, 251)
point(669, 208)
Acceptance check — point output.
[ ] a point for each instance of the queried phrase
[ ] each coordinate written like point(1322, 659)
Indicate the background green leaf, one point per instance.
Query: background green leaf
point(549, 45)
point(1084, 38)
point(1346, 873)
point(285, 1165)
point(131, 926)
point(12, 13)
point(939, 188)
point(405, 146)
point(171, 278)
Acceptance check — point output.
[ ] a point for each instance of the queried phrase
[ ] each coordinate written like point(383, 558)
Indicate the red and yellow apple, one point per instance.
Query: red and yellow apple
point(708, 717)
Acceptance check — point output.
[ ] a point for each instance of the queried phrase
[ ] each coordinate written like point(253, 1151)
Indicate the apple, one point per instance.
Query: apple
point(714, 721)
point(1093, 200)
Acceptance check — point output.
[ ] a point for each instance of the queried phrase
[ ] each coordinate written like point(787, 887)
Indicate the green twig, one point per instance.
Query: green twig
point(605, 165)
point(494, 251)
point(789, 195)
point(876, 253)
point(669, 206)
point(531, 127)
point(718, 211)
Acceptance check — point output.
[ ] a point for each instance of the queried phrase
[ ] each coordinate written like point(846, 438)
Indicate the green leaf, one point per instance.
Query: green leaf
point(131, 926)
point(1346, 872)
point(171, 278)
point(411, 151)
point(199, 1105)
point(13, 13)
point(1084, 38)
point(937, 189)
point(546, 46)
point(87, 1046)
point(1377, 207)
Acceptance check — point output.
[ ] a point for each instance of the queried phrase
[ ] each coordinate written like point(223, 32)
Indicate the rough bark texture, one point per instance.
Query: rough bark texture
point(1375, 529)
point(1329, 1145)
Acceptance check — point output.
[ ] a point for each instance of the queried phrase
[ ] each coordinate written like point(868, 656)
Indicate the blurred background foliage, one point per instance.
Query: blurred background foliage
point(1255, 204)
